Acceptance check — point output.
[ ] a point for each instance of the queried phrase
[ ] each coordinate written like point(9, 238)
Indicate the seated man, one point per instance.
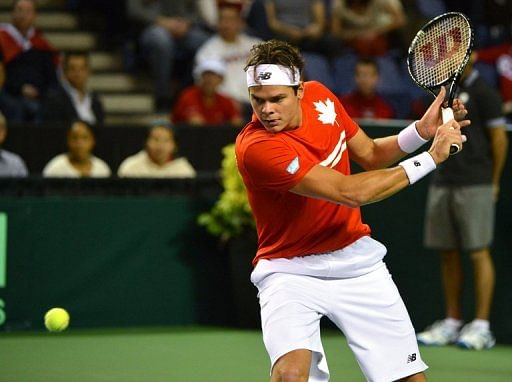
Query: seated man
point(11, 165)
point(79, 161)
point(158, 159)
point(72, 100)
point(27, 65)
point(232, 45)
point(364, 102)
point(202, 104)
point(171, 30)
point(368, 26)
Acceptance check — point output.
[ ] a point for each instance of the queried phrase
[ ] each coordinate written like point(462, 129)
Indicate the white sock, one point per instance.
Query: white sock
point(453, 323)
point(480, 324)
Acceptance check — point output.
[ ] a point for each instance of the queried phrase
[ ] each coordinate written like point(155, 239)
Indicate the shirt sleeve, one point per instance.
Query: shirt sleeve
point(272, 164)
point(491, 108)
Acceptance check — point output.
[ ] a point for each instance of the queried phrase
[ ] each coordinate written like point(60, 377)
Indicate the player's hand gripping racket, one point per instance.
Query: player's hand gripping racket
point(438, 55)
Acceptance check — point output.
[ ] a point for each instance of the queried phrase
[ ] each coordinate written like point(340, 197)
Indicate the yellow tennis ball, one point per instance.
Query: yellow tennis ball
point(56, 320)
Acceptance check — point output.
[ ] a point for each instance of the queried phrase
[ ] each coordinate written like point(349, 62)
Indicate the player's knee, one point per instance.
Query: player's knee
point(289, 373)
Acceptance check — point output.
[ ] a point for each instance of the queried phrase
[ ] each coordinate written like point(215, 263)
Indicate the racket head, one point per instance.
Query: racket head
point(440, 51)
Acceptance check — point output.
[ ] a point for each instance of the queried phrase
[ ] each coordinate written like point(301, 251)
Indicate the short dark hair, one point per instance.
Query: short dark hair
point(276, 52)
point(160, 124)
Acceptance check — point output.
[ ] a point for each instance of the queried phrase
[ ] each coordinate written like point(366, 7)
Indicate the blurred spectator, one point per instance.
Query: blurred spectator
point(304, 23)
point(72, 99)
point(365, 25)
point(209, 9)
point(256, 19)
point(201, 104)
point(364, 102)
point(500, 56)
point(79, 160)
point(27, 65)
point(232, 46)
point(171, 31)
point(11, 165)
point(300, 22)
point(158, 159)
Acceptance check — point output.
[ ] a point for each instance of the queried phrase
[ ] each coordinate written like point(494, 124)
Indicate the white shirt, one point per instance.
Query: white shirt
point(83, 105)
point(234, 54)
point(61, 167)
point(141, 166)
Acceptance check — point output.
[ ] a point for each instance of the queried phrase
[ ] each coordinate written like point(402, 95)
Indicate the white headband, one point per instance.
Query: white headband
point(271, 74)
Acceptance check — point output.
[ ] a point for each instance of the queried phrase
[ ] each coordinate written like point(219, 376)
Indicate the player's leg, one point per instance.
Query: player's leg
point(371, 314)
point(452, 277)
point(419, 377)
point(293, 366)
point(291, 309)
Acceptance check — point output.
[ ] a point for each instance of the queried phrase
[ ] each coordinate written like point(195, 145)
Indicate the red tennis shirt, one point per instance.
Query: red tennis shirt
point(271, 164)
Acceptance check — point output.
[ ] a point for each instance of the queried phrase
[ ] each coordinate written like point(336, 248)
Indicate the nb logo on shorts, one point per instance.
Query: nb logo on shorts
point(411, 358)
point(264, 75)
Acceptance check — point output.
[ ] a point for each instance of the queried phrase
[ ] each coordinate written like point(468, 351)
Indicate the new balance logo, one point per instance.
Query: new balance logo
point(417, 163)
point(411, 358)
point(264, 75)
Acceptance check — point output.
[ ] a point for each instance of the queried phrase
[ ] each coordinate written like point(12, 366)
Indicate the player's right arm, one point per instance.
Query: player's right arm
point(370, 186)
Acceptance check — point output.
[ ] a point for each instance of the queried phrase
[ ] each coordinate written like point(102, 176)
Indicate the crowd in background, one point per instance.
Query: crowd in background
point(194, 51)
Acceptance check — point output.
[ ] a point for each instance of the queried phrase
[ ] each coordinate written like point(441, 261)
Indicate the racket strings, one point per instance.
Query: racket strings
point(440, 51)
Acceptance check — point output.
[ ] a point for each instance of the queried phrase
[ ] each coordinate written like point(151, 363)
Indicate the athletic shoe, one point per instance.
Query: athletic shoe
point(438, 334)
point(472, 337)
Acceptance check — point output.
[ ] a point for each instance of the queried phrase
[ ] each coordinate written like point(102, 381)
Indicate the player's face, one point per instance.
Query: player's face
point(277, 107)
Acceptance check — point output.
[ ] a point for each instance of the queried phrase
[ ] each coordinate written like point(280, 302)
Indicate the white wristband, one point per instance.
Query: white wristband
point(409, 140)
point(418, 166)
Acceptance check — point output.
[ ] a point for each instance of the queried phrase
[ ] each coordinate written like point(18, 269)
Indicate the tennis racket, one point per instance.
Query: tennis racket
point(438, 55)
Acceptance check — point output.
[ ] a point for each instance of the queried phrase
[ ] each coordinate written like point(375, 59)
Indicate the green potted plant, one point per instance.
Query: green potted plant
point(231, 220)
point(231, 215)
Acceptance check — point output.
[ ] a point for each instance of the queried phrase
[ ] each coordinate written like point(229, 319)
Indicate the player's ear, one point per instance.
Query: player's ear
point(300, 90)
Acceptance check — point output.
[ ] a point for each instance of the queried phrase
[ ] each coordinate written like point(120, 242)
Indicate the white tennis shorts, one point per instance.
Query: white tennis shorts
point(368, 309)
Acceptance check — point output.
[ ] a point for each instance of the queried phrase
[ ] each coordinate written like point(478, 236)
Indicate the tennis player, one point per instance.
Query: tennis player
point(315, 256)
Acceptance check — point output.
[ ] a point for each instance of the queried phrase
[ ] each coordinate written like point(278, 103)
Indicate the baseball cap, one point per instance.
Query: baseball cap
point(216, 66)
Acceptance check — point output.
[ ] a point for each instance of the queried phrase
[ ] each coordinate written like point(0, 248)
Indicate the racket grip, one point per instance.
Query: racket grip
point(447, 113)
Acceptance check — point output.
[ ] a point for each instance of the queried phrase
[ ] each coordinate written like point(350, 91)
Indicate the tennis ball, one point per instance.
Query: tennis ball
point(56, 320)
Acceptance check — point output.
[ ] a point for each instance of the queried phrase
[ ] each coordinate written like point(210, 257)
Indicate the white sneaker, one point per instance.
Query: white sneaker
point(475, 338)
point(438, 334)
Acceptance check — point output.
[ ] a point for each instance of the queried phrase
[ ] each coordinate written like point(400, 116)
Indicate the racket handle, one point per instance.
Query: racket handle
point(447, 113)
